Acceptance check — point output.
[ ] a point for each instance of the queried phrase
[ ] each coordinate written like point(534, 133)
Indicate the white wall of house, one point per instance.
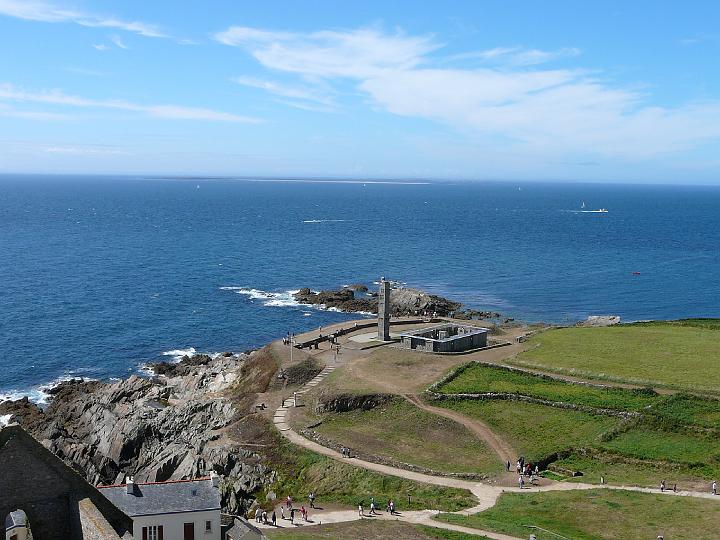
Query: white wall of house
point(173, 525)
point(16, 533)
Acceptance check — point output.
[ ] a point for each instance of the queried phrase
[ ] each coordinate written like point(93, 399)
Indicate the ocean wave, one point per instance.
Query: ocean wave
point(283, 299)
point(5, 419)
point(40, 394)
point(177, 354)
point(325, 220)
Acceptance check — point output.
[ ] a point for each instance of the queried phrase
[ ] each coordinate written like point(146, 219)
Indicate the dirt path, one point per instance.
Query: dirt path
point(504, 451)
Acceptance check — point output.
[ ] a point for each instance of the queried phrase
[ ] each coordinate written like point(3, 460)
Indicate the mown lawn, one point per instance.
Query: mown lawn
point(402, 432)
point(369, 529)
point(673, 355)
point(479, 378)
point(597, 514)
point(535, 431)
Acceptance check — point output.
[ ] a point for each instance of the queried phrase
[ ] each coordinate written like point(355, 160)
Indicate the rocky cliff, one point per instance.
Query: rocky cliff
point(193, 419)
point(403, 301)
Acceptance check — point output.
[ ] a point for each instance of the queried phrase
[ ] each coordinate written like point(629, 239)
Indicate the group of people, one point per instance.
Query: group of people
point(524, 470)
point(261, 516)
point(390, 508)
point(345, 452)
point(288, 339)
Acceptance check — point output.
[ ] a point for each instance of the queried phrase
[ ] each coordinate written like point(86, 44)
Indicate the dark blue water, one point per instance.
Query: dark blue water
point(99, 275)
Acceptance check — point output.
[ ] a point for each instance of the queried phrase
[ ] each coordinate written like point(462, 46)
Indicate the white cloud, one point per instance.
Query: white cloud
point(100, 47)
point(44, 12)
point(516, 56)
point(303, 94)
point(354, 53)
point(9, 92)
point(118, 42)
point(10, 112)
point(85, 150)
point(514, 101)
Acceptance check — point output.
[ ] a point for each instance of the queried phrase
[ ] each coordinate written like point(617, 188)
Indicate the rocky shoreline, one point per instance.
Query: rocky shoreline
point(404, 301)
point(172, 426)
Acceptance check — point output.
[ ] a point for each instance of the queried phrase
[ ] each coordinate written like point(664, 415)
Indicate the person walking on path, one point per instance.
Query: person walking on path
point(303, 513)
point(292, 516)
point(521, 481)
point(372, 507)
point(274, 519)
point(507, 465)
point(289, 502)
point(662, 486)
point(258, 513)
point(361, 512)
point(311, 498)
point(714, 487)
point(282, 512)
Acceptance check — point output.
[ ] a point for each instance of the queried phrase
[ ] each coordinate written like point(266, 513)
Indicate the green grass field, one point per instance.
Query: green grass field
point(611, 467)
point(303, 471)
point(535, 431)
point(684, 356)
point(369, 529)
point(402, 432)
point(649, 444)
point(597, 514)
point(479, 378)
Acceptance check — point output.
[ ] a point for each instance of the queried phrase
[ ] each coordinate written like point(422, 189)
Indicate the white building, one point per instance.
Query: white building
point(174, 510)
point(16, 526)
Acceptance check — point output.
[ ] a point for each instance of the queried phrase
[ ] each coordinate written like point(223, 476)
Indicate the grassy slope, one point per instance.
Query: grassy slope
point(672, 355)
point(301, 471)
point(481, 378)
point(370, 530)
point(596, 514)
point(536, 430)
point(405, 433)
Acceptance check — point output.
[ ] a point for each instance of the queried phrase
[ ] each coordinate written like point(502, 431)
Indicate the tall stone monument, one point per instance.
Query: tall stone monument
point(384, 310)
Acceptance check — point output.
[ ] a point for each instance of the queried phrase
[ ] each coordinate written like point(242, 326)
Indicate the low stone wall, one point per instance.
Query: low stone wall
point(351, 402)
point(435, 396)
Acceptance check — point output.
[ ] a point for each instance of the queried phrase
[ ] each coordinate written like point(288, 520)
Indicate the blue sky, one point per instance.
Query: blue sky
point(609, 91)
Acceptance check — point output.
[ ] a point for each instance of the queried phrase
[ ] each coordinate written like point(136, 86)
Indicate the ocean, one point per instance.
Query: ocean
point(100, 275)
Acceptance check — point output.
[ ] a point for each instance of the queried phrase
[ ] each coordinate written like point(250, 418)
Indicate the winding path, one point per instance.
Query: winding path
point(486, 495)
point(478, 427)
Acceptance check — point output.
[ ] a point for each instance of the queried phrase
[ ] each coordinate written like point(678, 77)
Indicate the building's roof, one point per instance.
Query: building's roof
point(241, 529)
point(16, 518)
point(164, 497)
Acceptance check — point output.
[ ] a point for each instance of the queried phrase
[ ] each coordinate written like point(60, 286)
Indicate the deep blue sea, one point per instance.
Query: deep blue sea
point(99, 275)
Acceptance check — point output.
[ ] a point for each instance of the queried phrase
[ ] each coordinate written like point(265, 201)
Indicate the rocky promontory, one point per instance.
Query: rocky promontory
point(404, 301)
point(192, 418)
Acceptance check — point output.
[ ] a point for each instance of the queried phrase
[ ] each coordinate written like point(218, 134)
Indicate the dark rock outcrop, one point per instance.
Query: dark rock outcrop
point(403, 301)
point(169, 427)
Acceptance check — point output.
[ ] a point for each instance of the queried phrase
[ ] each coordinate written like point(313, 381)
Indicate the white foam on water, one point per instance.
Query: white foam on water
point(5, 420)
point(283, 299)
point(177, 354)
point(40, 394)
point(273, 299)
point(325, 220)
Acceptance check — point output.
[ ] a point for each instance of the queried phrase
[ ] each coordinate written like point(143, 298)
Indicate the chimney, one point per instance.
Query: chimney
point(130, 485)
point(215, 479)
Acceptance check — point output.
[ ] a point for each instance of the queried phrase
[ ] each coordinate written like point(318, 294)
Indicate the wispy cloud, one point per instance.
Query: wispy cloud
point(512, 99)
point(516, 56)
point(353, 53)
point(100, 46)
point(9, 92)
point(118, 42)
point(11, 112)
point(45, 12)
point(300, 96)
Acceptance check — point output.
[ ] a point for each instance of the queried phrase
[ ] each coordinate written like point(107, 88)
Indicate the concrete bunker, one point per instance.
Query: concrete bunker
point(445, 338)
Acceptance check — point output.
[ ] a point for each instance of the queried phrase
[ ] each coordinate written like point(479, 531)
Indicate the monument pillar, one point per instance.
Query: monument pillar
point(384, 310)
